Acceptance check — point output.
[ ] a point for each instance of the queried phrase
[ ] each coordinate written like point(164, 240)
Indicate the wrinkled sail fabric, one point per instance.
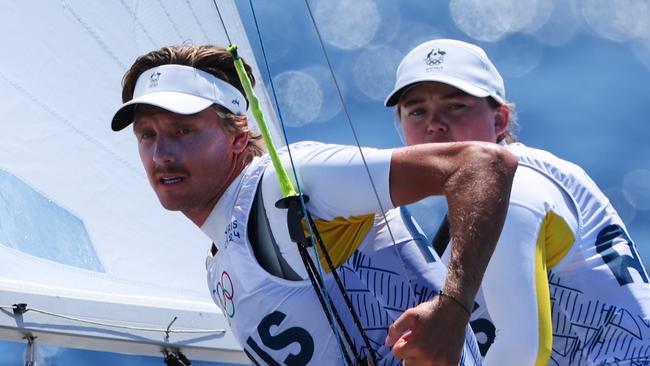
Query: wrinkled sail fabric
point(77, 216)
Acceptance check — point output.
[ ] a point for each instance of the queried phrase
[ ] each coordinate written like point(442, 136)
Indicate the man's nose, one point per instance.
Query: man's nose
point(165, 152)
point(437, 124)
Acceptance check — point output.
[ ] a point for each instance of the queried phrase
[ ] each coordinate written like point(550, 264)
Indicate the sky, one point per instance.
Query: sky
point(577, 70)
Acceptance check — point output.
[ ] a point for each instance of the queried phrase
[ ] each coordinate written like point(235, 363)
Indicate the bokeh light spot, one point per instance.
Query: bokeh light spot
point(636, 188)
point(624, 208)
point(620, 20)
point(347, 24)
point(374, 71)
point(331, 104)
point(300, 97)
point(530, 15)
point(483, 20)
point(561, 26)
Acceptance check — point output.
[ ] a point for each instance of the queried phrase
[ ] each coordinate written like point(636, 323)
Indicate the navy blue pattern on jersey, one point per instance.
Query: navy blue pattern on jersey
point(381, 290)
point(584, 330)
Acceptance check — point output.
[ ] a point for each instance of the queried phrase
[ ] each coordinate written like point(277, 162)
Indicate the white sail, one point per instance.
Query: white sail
point(83, 239)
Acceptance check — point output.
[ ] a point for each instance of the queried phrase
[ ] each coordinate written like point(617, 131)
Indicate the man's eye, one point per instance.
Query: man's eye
point(416, 112)
point(457, 106)
point(146, 135)
point(184, 131)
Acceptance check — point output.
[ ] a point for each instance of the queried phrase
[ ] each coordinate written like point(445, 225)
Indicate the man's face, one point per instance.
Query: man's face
point(189, 159)
point(437, 112)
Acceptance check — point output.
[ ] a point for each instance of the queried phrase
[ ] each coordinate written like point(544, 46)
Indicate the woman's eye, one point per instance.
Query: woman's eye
point(184, 131)
point(457, 106)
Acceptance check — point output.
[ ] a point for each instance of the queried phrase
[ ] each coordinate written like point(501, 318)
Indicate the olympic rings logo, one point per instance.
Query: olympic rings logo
point(225, 292)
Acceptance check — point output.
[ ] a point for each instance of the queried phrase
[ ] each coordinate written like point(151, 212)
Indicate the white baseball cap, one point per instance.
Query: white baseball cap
point(179, 89)
point(459, 64)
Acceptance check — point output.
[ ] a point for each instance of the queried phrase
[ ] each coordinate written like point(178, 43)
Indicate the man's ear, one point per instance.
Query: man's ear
point(240, 141)
point(501, 119)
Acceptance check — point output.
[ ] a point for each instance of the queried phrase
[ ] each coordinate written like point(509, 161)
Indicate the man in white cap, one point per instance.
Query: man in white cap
point(565, 285)
point(188, 115)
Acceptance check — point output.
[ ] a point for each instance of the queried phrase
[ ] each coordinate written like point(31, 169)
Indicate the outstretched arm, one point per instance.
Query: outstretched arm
point(476, 178)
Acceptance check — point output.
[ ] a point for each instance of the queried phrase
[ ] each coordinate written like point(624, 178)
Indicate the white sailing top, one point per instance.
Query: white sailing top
point(565, 285)
point(278, 321)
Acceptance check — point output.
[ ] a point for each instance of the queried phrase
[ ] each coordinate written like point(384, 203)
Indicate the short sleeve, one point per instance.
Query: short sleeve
point(341, 181)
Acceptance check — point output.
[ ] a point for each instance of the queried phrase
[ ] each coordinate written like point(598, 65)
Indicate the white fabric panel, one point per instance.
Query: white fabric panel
point(60, 77)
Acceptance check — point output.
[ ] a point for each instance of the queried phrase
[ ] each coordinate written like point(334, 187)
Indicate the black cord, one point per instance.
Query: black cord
point(222, 23)
point(298, 237)
point(318, 288)
point(344, 293)
point(176, 359)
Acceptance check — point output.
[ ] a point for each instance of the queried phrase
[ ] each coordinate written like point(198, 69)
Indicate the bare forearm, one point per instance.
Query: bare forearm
point(477, 193)
point(476, 179)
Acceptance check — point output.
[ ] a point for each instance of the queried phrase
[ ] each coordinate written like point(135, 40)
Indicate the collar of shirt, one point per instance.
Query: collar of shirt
point(215, 226)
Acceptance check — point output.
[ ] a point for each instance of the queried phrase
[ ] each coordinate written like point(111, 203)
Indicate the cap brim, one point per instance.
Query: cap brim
point(176, 102)
point(468, 88)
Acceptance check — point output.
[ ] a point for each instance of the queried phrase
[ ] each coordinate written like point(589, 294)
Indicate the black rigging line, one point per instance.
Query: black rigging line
point(222, 23)
point(317, 281)
point(356, 139)
point(311, 270)
point(328, 307)
point(312, 226)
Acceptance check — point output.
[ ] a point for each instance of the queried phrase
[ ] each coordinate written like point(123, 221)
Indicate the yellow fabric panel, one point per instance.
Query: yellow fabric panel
point(554, 241)
point(543, 298)
point(341, 236)
point(559, 239)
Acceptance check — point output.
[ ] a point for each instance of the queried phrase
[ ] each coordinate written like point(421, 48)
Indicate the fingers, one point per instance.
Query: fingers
point(401, 348)
point(404, 323)
point(412, 354)
point(421, 338)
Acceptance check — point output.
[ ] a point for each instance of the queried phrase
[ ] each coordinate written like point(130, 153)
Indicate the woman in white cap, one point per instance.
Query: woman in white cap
point(565, 285)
